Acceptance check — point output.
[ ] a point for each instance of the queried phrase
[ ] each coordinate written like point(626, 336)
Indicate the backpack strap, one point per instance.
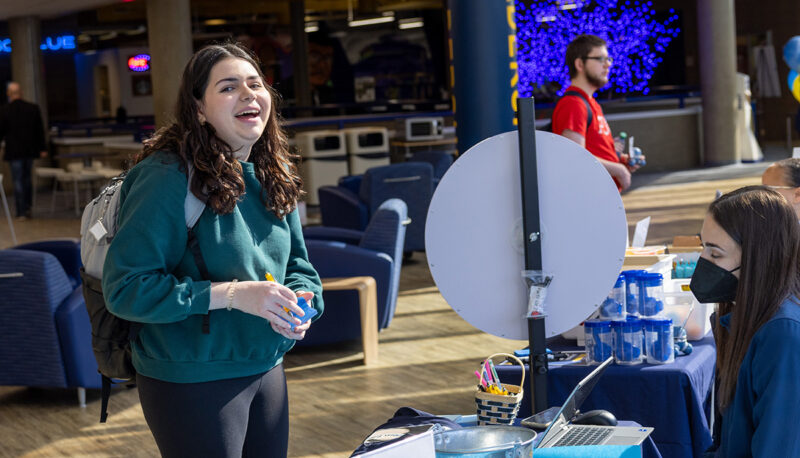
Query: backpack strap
point(589, 114)
point(193, 208)
point(106, 393)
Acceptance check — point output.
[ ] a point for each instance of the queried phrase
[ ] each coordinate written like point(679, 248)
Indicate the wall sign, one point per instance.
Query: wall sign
point(61, 43)
point(139, 63)
point(58, 43)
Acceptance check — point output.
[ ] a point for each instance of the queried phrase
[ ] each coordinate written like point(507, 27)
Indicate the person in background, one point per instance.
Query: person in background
point(784, 176)
point(22, 129)
point(209, 354)
point(750, 266)
point(121, 116)
point(589, 64)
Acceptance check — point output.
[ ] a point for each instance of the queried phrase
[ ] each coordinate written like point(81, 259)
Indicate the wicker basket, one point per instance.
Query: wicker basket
point(500, 409)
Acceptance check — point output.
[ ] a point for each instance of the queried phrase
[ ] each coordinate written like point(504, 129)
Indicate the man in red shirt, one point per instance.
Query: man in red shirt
point(589, 63)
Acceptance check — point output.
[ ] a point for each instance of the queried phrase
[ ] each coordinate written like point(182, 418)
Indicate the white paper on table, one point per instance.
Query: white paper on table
point(640, 233)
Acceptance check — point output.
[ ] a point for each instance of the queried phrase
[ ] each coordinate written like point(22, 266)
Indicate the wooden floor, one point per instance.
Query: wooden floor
point(427, 357)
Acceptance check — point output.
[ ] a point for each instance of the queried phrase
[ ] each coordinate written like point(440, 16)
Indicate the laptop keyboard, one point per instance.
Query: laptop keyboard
point(585, 435)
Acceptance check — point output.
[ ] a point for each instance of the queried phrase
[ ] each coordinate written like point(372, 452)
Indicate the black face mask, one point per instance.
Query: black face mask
point(712, 283)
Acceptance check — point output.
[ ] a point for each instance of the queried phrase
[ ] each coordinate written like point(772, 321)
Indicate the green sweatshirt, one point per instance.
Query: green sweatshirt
point(150, 276)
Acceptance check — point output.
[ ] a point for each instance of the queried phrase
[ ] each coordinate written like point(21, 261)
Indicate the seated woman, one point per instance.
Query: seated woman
point(750, 265)
point(784, 176)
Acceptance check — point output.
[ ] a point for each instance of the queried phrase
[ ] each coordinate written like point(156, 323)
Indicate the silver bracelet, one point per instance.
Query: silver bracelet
point(231, 292)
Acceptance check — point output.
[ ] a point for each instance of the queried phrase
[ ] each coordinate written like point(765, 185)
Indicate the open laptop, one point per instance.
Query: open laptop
point(562, 433)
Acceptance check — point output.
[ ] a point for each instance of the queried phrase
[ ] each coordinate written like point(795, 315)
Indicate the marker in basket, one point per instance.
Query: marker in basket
point(494, 374)
point(488, 373)
point(480, 379)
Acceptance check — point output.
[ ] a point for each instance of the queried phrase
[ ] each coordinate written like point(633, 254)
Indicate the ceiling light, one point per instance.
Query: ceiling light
point(312, 27)
point(215, 22)
point(568, 6)
point(410, 23)
point(108, 36)
point(370, 21)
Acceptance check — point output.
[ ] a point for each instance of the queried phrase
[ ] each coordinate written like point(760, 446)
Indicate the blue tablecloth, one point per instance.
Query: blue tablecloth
point(672, 398)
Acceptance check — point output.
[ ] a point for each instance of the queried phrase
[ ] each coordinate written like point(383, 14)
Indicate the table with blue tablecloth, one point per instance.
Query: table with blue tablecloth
point(674, 398)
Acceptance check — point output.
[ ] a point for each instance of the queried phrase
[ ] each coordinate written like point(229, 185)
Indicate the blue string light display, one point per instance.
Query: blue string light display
point(635, 40)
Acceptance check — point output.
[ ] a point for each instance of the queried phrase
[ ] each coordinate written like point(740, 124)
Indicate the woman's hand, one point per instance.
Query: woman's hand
point(299, 331)
point(268, 300)
point(307, 295)
point(265, 299)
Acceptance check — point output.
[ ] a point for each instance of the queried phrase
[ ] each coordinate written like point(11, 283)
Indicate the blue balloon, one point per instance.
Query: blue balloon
point(791, 53)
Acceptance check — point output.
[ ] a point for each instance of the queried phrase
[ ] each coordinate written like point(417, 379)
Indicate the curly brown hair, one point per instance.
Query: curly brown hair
point(217, 178)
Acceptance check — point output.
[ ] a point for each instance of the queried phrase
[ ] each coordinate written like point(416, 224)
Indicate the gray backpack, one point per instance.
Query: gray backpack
point(111, 335)
point(99, 223)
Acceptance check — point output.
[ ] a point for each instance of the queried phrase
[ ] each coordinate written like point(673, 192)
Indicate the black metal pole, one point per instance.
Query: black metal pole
point(529, 180)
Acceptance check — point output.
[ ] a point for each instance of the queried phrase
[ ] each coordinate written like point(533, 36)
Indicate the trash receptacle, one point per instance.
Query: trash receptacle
point(323, 160)
point(367, 147)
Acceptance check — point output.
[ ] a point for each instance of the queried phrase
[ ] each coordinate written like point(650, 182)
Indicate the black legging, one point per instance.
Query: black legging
point(247, 416)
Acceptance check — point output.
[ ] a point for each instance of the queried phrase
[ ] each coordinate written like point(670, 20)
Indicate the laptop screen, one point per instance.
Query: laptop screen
point(575, 399)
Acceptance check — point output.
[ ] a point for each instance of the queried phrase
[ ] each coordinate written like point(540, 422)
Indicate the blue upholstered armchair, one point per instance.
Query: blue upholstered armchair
point(351, 204)
point(66, 250)
point(45, 335)
point(377, 252)
point(440, 160)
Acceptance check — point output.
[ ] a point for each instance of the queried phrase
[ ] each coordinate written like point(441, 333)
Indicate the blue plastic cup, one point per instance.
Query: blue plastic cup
point(651, 294)
point(627, 337)
point(614, 307)
point(658, 335)
point(598, 340)
point(632, 291)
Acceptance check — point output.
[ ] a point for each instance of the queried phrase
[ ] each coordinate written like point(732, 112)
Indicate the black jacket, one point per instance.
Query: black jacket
point(22, 128)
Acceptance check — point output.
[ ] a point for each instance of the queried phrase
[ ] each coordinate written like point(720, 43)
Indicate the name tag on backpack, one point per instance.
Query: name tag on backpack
point(98, 231)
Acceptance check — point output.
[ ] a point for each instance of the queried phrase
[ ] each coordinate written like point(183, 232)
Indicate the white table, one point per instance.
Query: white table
point(77, 177)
